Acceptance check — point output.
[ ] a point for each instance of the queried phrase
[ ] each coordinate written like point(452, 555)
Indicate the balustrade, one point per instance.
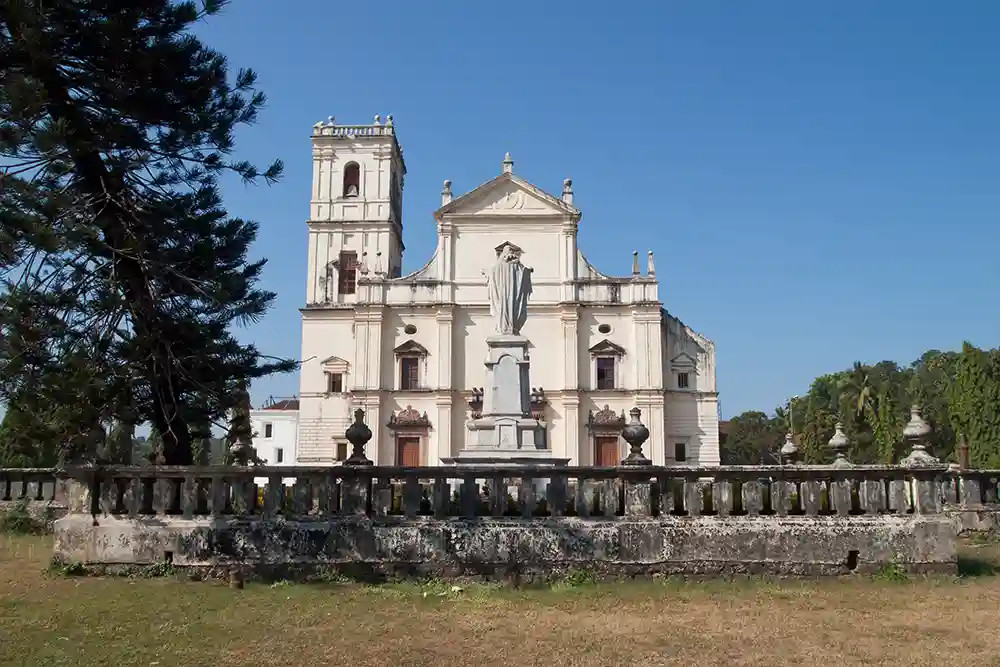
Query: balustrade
point(526, 492)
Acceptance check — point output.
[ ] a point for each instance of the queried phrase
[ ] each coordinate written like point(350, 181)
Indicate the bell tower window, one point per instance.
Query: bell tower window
point(347, 282)
point(352, 180)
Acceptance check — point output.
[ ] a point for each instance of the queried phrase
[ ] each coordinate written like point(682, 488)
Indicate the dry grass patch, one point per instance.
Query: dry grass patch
point(49, 619)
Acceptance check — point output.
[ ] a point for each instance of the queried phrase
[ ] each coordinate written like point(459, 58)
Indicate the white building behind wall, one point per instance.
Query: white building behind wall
point(409, 350)
point(275, 427)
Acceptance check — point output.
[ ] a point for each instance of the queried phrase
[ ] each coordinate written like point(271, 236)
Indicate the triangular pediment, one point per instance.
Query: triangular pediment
point(684, 361)
point(507, 195)
point(335, 364)
point(411, 347)
point(606, 347)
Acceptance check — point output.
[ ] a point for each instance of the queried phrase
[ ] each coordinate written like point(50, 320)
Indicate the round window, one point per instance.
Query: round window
point(604, 328)
point(409, 329)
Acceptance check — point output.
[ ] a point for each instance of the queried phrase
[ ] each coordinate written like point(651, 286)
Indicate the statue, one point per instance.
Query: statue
point(509, 284)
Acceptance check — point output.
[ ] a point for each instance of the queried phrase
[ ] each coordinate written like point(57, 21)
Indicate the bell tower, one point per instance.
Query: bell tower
point(356, 209)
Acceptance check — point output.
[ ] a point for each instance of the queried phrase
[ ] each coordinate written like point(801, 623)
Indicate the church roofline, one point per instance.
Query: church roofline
point(507, 177)
point(330, 129)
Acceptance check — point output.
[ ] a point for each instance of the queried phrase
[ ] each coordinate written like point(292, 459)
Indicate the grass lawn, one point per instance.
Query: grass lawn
point(50, 619)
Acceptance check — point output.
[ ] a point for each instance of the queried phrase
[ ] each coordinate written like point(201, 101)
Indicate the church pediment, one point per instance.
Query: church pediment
point(411, 348)
point(335, 365)
point(607, 348)
point(684, 362)
point(507, 195)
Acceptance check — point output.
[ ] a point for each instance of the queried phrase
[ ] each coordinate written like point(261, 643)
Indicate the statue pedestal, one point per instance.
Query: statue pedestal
point(506, 433)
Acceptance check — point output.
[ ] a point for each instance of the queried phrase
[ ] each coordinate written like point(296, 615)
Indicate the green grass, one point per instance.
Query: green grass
point(48, 617)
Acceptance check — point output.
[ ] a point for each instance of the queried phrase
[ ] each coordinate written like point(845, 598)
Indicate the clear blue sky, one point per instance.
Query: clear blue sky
point(820, 181)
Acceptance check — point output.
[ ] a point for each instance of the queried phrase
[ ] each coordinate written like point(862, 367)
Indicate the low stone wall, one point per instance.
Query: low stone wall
point(512, 523)
point(530, 549)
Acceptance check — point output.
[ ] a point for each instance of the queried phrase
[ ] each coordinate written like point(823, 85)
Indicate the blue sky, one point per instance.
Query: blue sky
point(818, 180)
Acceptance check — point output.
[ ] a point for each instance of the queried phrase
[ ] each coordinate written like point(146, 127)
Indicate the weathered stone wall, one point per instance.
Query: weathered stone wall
point(518, 548)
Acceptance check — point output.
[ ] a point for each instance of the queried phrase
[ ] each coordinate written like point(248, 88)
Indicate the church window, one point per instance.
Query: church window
point(352, 179)
point(268, 430)
point(409, 373)
point(341, 451)
point(410, 329)
point(605, 372)
point(348, 279)
point(680, 452)
point(335, 383)
point(683, 382)
point(604, 328)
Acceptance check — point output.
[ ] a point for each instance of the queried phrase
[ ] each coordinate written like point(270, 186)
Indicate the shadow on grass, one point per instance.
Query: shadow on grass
point(971, 566)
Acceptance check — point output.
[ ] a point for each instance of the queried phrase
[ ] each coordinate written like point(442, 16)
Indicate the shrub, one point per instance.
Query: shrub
point(18, 521)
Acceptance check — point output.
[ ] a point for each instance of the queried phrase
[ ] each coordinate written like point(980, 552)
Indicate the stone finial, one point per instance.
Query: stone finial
point(330, 120)
point(789, 450)
point(388, 120)
point(635, 433)
point(635, 262)
point(378, 263)
point(358, 434)
point(650, 266)
point(838, 445)
point(915, 434)
point(962, 452)
point(363, 269)
point(508, 164)
point(378, 120)
point(446, 193)
point(567, 193)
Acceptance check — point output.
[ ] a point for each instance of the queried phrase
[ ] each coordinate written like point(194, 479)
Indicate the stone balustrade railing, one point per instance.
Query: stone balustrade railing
point(471, 492)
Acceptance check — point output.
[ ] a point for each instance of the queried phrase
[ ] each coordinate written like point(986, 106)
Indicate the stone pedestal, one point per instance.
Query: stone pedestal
point(506, 433)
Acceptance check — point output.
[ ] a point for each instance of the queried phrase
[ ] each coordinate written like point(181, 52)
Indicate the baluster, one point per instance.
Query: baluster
point(582, 499)
point(498, 496)
point(382, 496)
point(925, 496)
point(781, 496)
point(609, 497)
point(469, 497)
point(840, 496)
point(412, 495)
point(666, 495)
point(722, 497)
point(189, 497)
point(694, 498)
point(872, 495)
point(442, 498)
point(638, 497)
point(326, 499)
point(302, 496)
point(274, 496)
point(970, 490)
point(555, 495)
point(526, 496)
point(753, 497)
point(811, 497)
point(354, 494)
point(109, 494)
point(899, 496)
point(218, 494)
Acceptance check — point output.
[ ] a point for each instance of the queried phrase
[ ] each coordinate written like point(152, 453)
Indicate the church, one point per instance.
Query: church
point(413, 351)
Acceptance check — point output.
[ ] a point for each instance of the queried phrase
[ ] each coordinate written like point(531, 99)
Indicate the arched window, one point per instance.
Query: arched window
point(352, 179)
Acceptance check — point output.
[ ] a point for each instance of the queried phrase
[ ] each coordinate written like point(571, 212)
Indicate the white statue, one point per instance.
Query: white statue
point(509, 284)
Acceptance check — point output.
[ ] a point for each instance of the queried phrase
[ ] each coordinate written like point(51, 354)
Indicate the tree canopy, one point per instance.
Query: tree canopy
point(122, 276)
point(959, 392)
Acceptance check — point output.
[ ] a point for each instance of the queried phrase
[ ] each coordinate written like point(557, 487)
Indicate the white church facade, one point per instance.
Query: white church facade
point(410, 350)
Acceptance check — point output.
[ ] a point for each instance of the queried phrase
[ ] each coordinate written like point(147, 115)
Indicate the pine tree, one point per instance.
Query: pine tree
point(239, 439)
point(122, 274)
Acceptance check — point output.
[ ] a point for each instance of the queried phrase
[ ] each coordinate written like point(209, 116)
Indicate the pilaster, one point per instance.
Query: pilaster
point(572, 442)
point(570, 320)
point(443, 430)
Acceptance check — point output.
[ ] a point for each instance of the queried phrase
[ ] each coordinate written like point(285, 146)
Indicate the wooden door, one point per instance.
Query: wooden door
point(408, 451)
point(606, 451)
